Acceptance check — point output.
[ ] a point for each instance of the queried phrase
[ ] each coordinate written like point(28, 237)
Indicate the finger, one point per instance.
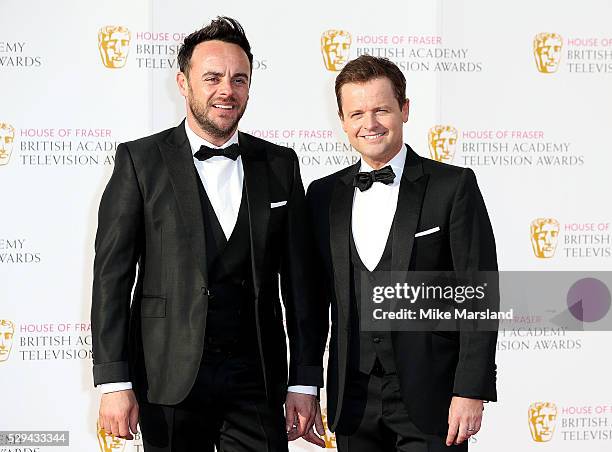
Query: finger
point(310, 420)
point(107, 426)
point(475, 426)
point(462, 434)
point(134, 420)
point(289, 417)
point(302, 425)
point(292, 434)
point(319, 424)
point(124, 431)
point(114, 427)
point(312, 437)
point(452, 432)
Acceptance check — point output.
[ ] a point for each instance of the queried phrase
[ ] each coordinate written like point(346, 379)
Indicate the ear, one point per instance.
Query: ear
point(342, 121)
point(405, 110)
point(183, 84)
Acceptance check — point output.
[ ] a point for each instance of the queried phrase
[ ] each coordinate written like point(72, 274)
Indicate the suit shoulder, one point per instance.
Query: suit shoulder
point(443, 171)
point(326, 184)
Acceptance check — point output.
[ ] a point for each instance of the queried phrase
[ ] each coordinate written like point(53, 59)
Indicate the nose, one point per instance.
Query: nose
point(226, 89)
point(369, 121)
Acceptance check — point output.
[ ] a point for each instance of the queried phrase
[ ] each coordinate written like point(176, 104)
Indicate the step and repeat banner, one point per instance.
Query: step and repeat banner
point(521, 92)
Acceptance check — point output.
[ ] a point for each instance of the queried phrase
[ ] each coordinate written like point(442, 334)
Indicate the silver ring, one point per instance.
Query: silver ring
point(471, 429)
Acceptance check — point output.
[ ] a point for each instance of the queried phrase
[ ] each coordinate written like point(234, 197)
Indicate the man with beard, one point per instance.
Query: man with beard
point(210, 217)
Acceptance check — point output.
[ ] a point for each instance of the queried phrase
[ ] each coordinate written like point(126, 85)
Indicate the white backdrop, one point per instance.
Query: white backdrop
point(536, 141)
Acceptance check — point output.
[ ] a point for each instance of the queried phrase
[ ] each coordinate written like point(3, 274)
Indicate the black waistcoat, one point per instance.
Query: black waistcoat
point(231, 314)
point(366, 347)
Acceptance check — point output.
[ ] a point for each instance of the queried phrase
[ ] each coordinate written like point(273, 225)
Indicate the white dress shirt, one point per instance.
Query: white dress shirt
point(373, 212)
point(222, 179)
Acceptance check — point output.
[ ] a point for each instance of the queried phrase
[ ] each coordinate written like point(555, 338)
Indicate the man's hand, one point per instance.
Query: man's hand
point(119, 413)
point(464, 419)
point(310, 435)
point(301, 412)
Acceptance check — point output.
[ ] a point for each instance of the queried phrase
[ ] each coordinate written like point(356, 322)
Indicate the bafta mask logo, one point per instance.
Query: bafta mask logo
point(542, 419)
point(7, 136)
point(328, 437)
point(442, 142)
point(109, 443)
point(114, 45)
point(7, 331)
point(335, 47)
point(544, 235)
point(547, 52)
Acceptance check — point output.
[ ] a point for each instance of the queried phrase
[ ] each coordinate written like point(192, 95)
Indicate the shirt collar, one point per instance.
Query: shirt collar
point(396, 164)
point(195, 141)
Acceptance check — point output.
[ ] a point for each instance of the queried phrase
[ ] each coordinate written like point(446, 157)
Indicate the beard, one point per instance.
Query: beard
point(201, 114)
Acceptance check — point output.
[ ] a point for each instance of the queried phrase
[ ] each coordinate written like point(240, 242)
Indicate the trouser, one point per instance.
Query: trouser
point(374, 419)
point(227, 409)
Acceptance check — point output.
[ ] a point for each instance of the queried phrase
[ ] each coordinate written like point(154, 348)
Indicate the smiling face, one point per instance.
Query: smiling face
point(217, 89)
point(373, 120)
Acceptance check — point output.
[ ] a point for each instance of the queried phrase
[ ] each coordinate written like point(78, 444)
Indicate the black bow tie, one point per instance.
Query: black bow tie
point(231, 152)
point(363, 181)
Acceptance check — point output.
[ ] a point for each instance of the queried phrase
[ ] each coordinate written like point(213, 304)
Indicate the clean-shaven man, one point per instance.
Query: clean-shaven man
point(394, 210)
point(210, 217)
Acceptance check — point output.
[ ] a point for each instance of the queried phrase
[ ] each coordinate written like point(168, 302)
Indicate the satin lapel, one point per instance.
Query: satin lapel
point(176, 153)
point(255, 168)
point(340, 212)
point(409, 204)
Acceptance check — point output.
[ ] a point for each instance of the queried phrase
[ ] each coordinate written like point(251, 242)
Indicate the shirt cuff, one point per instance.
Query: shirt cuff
point(105, 388)
point(300, 389)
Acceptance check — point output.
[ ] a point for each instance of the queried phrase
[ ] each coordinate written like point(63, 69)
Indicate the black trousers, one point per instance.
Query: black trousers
point(374, 419)
point(227, 409)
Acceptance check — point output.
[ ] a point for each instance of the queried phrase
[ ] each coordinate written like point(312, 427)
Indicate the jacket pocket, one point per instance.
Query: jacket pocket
point(153, 307)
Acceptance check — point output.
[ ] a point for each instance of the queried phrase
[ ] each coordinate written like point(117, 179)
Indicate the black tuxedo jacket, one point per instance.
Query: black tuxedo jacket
point(431, 366)
point(150, 214)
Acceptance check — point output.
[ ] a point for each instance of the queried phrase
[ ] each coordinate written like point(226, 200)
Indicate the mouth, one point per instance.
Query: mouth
point(373, 136)
point(224, 107)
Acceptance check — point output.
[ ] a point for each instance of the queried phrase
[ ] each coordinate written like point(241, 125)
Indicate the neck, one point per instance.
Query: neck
point(217, 141)
point(380, 161)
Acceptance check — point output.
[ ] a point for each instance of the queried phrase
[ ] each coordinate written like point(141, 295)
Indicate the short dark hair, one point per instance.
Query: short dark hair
point(223, 29)
point(366, 68)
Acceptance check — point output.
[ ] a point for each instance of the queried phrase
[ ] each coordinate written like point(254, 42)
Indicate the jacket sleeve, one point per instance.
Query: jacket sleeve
point(473, 249)
point(298, 289)
point(117, 251)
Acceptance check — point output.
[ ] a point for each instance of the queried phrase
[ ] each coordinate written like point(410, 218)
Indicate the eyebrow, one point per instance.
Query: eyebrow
point(221, 74)
point(385, 106)
point(218, 74)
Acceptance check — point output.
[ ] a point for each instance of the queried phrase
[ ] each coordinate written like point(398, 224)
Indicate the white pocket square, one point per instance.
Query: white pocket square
point(277, 204)
point(427, 232)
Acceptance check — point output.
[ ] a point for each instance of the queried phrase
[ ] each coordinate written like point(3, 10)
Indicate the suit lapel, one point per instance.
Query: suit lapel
point(340, 210)
point(177, 155)
point(408, 211)
point(257, 191)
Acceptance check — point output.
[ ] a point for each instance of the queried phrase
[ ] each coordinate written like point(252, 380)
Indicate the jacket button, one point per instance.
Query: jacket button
point(377, 340)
